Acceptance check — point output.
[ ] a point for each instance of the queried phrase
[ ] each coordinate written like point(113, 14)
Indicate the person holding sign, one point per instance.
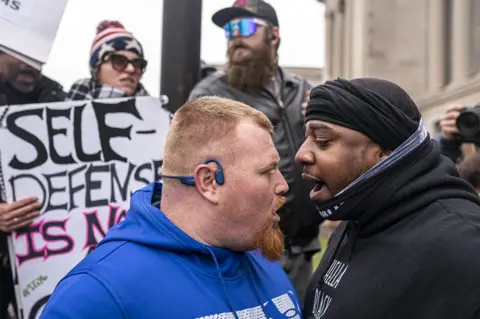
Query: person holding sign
point(203, 244)
point(19, 84)
point(116, 63)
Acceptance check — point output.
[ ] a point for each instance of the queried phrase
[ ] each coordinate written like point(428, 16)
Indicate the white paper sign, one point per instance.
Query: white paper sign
point(29, 27)
point(16, 11)
point(83, 160)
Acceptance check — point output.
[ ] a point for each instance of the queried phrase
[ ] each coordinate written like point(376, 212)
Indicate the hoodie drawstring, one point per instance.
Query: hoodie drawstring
point(257, 293)
point(223, 283)
point(352, 238)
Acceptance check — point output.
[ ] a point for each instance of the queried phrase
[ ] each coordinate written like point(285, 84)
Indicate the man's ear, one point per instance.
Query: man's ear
point(375, 153)
point(384, 154)
point(205, 182)
point(275, 35)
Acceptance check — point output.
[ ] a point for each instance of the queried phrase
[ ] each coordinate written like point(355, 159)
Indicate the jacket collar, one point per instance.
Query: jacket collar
point(289, 79)
point(46, 90)
point(45, 84)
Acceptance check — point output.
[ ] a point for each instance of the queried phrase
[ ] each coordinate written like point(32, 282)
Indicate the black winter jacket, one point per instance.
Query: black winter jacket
point(416, 256)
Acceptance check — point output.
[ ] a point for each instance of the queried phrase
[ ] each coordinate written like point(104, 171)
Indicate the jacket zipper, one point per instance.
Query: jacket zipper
point(283, 115)
point(284, 119)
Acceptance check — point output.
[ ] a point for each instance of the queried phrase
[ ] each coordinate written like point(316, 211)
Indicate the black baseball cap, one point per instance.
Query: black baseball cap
point(246, 8)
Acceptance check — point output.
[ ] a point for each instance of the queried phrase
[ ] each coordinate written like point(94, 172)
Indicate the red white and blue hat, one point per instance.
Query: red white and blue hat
point(112, 36)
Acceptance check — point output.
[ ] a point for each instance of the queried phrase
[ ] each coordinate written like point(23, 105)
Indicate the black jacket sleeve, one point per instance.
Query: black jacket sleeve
point(451, 149)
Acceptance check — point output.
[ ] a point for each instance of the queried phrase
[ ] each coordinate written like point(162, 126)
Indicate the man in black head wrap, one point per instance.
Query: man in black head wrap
point(409, 243)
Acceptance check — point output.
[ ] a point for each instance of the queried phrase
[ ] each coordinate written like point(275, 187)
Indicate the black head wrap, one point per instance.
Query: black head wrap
point(380, 109)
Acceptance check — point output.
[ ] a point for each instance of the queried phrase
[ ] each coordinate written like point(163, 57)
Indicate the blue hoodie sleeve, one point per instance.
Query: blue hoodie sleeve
point(81, 296)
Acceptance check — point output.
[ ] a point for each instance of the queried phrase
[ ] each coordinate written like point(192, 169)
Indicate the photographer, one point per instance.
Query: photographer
point(452, 139)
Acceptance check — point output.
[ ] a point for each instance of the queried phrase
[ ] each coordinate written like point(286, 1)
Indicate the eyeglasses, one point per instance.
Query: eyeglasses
point(244, 26)
point(120, 62)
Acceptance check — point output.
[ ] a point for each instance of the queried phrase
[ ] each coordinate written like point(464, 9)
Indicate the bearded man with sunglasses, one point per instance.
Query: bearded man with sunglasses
point(116, 65)
point(253, 77)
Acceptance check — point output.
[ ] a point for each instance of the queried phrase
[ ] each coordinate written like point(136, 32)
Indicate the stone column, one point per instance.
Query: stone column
point(347, 39)
point(338, 43)
point(460, 41)
point(358, 37)
point(436, 38)
point(329, 45)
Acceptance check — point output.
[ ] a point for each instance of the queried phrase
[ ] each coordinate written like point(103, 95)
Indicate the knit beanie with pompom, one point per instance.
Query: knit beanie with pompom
point(112, 36)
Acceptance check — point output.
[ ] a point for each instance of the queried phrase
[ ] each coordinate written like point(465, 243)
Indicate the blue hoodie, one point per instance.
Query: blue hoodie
point(146, 267)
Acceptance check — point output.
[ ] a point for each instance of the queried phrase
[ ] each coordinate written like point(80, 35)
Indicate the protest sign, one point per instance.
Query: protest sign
point(83, 160)
point(28, 28)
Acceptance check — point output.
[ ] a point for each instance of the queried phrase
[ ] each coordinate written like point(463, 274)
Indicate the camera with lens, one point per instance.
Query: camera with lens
point(468, 124)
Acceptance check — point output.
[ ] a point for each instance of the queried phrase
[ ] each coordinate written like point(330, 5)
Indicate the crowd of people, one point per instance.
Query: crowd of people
point(254, 162)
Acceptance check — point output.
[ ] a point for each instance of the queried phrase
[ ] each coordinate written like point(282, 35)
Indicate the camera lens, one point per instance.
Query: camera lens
point(468, 124)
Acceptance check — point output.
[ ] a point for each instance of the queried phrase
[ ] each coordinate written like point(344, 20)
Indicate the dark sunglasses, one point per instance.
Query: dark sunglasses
point(244, 27)
point(120, 62)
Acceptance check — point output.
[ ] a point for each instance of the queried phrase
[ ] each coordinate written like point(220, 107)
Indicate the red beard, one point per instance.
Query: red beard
point(269, 239)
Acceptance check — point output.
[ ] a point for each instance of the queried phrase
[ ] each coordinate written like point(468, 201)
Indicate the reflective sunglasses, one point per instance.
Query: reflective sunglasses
point(120, 62)
point(244, 27)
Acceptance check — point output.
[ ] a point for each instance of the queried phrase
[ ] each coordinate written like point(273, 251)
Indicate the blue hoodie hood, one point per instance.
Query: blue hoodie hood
point(147, 267)
point(146, 225)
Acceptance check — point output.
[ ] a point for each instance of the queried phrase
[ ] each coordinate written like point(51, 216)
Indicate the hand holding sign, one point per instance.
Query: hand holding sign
point(18, 214)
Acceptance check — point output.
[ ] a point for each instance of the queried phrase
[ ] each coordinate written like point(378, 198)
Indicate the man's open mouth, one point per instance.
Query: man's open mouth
point(317, 182)
point(318, 185)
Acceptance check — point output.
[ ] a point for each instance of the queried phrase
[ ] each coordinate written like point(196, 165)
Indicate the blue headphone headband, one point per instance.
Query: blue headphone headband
point(190, 180)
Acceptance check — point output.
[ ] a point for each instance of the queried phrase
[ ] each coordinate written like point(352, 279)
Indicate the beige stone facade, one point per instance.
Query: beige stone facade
point(429, 47)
